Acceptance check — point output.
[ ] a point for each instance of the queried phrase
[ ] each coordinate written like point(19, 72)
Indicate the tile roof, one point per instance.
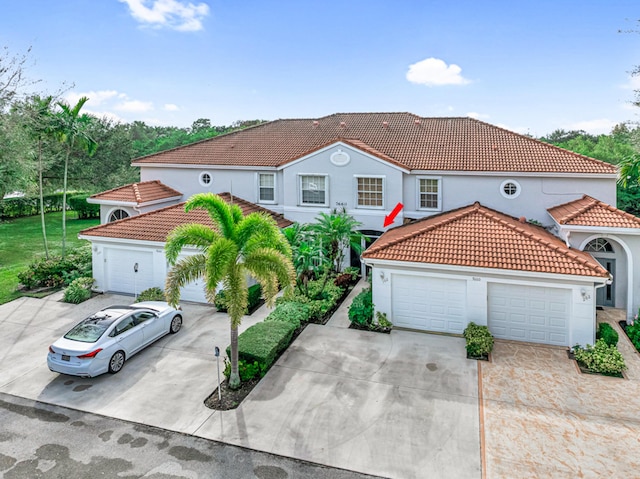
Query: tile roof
point(476, 236)
point(416, 143)
point(142, 192)
point(156, 225)
point(588, 211)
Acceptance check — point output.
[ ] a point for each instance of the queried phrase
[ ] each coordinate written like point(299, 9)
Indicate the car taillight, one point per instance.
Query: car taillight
point(51, 350)
point(92, 354)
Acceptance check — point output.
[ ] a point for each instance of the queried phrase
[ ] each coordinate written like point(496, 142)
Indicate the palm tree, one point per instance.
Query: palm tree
point(307, 254)
point(337, 231)
point(237, 246)
point(629, 171)
point(71, 129)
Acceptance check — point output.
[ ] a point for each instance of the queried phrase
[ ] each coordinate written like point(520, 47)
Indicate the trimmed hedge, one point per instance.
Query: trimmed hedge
point(607, 333)
point(78, 203)
point(319, 302)
point(263, 341)
point(30, 205)
point(293, 312)
point(254, 294)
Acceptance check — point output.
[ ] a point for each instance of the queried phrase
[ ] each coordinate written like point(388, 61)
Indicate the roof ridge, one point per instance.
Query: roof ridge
point(136, 193)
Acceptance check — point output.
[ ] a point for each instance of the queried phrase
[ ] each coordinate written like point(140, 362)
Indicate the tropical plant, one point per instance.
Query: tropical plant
point(151, 294)
point(479, 340)
point(629, 172)
point(361, 309)
point(601, 358)
point(237, 246)
point(337, 231)
point(307, 255)
point(70, 129)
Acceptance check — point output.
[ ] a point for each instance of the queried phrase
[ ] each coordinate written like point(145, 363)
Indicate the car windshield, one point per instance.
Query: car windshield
point(90, 329)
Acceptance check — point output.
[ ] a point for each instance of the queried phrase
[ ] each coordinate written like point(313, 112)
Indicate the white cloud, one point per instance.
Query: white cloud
point(435, 72)
point(171, 107)
point(478, 116)
point(175, 14)
point(134, 106)
point(96, 98)
point(595, 127)
point(633, 83)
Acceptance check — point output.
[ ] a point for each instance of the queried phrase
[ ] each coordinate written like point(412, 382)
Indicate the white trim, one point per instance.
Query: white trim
point(133, 204)
point(627, 250)
point(206, 166)
point(275, 189)
point(122, 241)
point(602, 230)
point(486, 272)
point(384, 190)
point(113, 210)
point(344, 145)
point(514, 183)
point(201, 180)
point(326, 190)
point(513, 174)
point(344, 154)
point(418, 193)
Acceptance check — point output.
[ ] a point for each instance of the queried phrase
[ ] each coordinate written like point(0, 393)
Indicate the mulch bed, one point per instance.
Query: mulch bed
point(484, 357)
point(373, 328)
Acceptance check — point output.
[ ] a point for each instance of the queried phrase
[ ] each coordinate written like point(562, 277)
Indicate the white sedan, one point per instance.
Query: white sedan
point(103, 341)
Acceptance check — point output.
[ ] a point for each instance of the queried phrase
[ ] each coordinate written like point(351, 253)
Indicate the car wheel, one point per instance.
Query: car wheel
point(176, 324)
point(116, 362)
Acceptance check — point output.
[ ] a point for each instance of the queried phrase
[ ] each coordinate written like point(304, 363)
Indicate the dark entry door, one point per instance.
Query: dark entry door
point(605, 296)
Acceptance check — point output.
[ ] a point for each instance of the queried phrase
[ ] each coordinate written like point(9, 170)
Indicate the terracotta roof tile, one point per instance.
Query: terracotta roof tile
point(588, 211)
point(156, 225)
point(476, 236)
point(138, 193)
point(415, 143)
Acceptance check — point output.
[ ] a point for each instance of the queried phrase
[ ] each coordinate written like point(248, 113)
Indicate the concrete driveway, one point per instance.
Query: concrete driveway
point(398, 405)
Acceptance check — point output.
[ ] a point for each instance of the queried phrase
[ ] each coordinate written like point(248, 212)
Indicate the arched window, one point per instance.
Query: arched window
point(117, 215)
point(599, 245)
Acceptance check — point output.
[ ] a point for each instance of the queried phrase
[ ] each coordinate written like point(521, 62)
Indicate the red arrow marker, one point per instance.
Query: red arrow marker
point(392, 216)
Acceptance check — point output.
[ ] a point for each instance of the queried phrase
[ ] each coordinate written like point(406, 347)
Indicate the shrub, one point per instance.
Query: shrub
point(353, 271)
point(361, 309)
point(78, 291)
point(601, 358)
point(262, 342)
point(607, 333)
point(254, 294)
point(319, 301)
point(56, 272)
point(343, 280)
point(292, 312)
point(78, 203)
point(479, 341)
point(633, 331)
point(381, 319)
point(151, 294)
point(246, 370)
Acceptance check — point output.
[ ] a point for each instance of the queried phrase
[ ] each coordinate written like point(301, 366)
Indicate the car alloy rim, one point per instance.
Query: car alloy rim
point(176, 322)
point(116, 362)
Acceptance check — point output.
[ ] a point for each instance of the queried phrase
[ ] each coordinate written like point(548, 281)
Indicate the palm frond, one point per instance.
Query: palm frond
point(221, 259)
point(190, 234)
point(219, 211)
point(183, 272)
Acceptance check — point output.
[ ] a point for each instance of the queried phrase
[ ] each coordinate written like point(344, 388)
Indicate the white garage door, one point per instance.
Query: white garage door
point(431, 304)
point(194, 291)
point(121, 277)
point(529, 313)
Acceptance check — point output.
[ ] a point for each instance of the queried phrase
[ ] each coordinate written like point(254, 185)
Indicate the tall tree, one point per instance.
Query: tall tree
point(337, 231)
point(12, 75)
point(238, 246)
point(71, 129)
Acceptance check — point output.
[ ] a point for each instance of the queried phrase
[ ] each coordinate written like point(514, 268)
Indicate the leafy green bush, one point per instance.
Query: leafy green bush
point(633, 331)
point(319, 300)
point(292, 312)
point(78, 203)
point(601, 358)
point(56, 272)
point(246, 370)
point(353, 271)
point(479, 340)
point(254, 294)
point(382, 320)
point(607, 333)
point(151, 294)
point(262, 342)
point(361, 309)
point(29, 205)
point(78, 291)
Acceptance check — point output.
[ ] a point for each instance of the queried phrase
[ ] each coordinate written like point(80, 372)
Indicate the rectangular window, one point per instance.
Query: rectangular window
point(313, 190)
point(370, 192)
point(266, 187)
point(429, 193)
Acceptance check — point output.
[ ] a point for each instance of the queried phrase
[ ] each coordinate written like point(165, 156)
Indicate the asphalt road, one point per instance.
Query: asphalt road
point(43, 441)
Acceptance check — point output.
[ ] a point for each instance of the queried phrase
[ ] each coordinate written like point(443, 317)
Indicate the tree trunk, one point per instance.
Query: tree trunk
point(234, 378)
point(64, 200)
point(44, 228)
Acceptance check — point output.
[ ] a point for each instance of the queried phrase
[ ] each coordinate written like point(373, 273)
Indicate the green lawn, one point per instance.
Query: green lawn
point(21, 242)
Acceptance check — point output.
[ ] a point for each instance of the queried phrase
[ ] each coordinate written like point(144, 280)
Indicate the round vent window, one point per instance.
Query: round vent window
point(510, 189)
point(205, 178)
point(340, 158)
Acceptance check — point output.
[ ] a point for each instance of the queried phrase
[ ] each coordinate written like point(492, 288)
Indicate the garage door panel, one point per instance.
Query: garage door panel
point(529, 313)
point(426, 303)
point(121, 274)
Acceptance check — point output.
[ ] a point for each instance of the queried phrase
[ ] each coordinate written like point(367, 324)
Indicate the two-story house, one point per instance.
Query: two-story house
point(501, 229)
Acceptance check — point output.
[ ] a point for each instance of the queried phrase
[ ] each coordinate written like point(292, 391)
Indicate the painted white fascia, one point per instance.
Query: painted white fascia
point(475, 271)
point(347, 147)
point(133, 204)
point(602, 230)
point(121, 241)
point(206, 167)
point(512, 174)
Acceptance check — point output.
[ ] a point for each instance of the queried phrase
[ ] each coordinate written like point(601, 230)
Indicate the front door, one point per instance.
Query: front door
point(605, 296)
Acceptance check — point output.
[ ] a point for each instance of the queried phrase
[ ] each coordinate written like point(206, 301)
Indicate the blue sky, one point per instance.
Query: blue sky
point(530, 66)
